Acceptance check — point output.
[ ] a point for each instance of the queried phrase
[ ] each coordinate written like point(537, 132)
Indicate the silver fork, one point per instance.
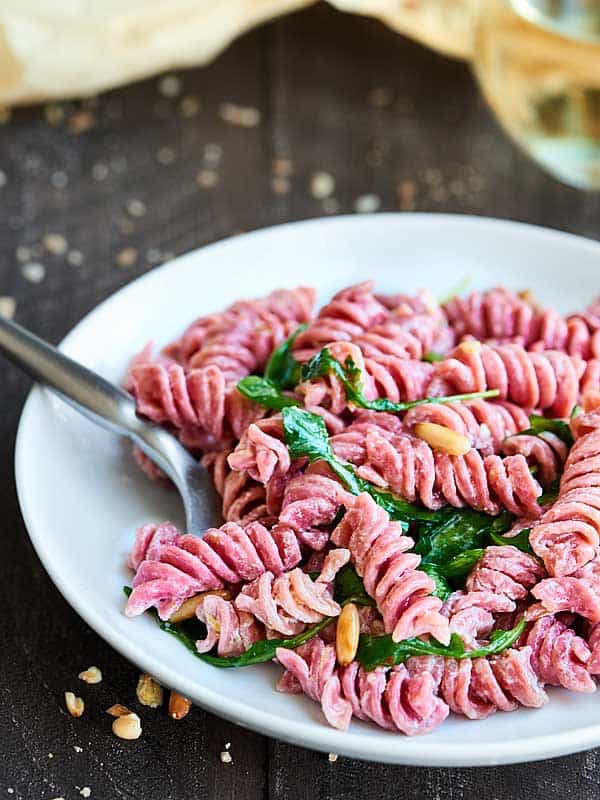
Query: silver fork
point(110, 407)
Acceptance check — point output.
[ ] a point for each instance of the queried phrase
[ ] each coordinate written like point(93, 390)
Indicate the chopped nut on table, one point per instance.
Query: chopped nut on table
point(128, 727)
point(179, 706)
point(149, 692)
point(75, 705)
point(117, 710)
point(90, 675)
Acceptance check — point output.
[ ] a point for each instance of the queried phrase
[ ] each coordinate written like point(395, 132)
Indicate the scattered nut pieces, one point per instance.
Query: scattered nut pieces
point(165, 155)
point(333, 757)
point(187, 610)
point(322, 185)
point(55, 243)
point(75, 705)
point(33, 272)
point(244, 116)
point(117, 710)
point(179, 706)
point(75, 258)
point(8, 306)
point(347, 634)
point(149, 691)
point(189, 107)
point(80, 122)
point(169, 86)
point(127, 727)
point(126, 257)
point(443, 439)
point(207, 178)
point(367, 203)
point(135, 207)
point(90, 675)
point(226, 757)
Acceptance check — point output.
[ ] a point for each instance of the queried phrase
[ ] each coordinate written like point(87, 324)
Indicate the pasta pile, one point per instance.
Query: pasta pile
point(410, 494)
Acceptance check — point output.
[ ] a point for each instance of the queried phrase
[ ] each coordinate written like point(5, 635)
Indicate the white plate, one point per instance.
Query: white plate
point(82, 496)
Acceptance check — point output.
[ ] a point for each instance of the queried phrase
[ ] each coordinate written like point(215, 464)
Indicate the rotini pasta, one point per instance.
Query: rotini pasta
point(395, 512)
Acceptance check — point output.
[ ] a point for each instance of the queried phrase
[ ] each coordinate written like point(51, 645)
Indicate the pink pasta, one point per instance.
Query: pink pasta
point(414, 470)
point(504, 316)
point(378, 551)
point(392, 699)
point(384, 514)
point(568, 534)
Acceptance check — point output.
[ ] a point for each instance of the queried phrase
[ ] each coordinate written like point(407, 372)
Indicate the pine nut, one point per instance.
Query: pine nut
point(149, 692)
point(442, 438)
point(470, 346)
point(187, 610)
point(127, 727)
point(179, 706)
point(347, 634)
point(90, 675)
point(75, 705)
point(117, 710)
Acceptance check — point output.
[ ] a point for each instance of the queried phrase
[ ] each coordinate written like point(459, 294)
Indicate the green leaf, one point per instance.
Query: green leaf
point(442, 588)
point(550, 494)
point(258, 653)
point(264, 392)
point(521, 540)
point(431, 358)
point(305, 435)
point(461, 565)
point(539, 424)
point(375, 651)
point(349, 588)
point(282, 368)
point(267, 391)
point(460, 530)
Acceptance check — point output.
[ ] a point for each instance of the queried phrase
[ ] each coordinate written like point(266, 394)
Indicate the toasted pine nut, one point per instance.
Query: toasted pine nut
point(127, 727)
point(118, 710)
point(90, 675)
point(149, 692)
point(187, 610)
point(179, 706)
point(470, 346)
point(442, 438)
point(75, 705)
point(347, 633)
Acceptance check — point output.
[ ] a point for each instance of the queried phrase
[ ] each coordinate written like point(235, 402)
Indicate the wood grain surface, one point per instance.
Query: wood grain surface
point(95, 193)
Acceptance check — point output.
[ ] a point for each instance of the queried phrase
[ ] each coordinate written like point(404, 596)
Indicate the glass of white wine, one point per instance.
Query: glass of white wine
point(538, 63)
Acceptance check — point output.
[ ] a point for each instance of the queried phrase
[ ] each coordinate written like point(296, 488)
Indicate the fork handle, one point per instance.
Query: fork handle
point(89, 393)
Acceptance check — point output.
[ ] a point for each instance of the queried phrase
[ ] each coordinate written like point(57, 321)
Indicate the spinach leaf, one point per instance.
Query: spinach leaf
point(442, 588)
point(305, 435)
point(521, 540)
point(461, 565)
point(431, 358)
point(258, 653)
point(539, 424)
point(375, 651)
point(349, 588)
point(460, 530)
point(285, 373)
point(282, 368)
point(550, 494)
point(350, 377)
point(265, 392)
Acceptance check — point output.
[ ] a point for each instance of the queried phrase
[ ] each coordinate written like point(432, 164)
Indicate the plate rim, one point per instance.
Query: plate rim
point(406, 750)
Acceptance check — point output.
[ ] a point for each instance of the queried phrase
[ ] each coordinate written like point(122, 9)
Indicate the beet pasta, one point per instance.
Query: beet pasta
point(410, 497)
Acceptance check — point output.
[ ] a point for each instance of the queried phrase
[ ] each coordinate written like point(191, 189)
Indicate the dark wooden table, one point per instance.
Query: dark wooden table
point(98, 193)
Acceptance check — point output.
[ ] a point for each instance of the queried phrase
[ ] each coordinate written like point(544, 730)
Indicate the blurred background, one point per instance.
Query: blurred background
point(276, 117)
